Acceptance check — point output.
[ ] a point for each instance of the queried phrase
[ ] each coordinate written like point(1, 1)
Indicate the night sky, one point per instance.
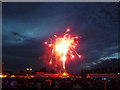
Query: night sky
point(26, 26)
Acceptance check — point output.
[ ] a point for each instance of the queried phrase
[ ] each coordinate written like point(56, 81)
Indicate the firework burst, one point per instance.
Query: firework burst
point(63, 47)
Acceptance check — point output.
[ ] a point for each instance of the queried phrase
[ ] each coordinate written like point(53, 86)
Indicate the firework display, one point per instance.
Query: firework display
point(62, 48)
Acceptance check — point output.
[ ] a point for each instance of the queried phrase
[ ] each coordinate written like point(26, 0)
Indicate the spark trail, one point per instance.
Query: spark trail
point(63, 47)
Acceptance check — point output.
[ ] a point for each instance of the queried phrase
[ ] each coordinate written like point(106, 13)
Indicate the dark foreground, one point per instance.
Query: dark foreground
point(60, 84)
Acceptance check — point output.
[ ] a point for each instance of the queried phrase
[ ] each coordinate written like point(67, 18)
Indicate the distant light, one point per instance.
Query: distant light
point(30, 69)
point(55, 35)
point(45, 42)
point(64, 73)
point(27, 68)
point(76, 37)
point(50, 45)
point(31, 76)
point(1, 76)
point(50, 62)
point(79, 56)
point(68, 29)
point(12, 76)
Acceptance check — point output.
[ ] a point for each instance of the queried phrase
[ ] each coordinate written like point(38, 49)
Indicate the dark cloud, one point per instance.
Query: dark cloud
point(26, 26)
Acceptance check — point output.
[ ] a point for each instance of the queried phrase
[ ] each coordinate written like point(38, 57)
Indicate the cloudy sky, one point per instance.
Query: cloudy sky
point(26, 26)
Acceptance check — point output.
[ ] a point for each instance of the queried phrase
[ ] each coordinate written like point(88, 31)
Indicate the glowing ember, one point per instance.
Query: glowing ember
point(64, 73)
point(50, 62)
point(63, 46)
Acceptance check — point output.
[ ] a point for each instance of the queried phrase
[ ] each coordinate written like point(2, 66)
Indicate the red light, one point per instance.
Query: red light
point(50, 45)
point(45, 42)
point(79, 56)
point(50, 62)
point(72, 56)
point(68, 29)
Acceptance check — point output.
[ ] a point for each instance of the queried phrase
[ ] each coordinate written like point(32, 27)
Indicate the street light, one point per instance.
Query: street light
point(30, 69)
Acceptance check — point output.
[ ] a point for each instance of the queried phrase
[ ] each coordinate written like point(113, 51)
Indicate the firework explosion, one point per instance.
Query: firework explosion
point(63, 47)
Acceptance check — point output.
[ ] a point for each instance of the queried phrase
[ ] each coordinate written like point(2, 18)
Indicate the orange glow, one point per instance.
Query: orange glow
point(50, 62)
point(64, 73)
point(63, 46)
